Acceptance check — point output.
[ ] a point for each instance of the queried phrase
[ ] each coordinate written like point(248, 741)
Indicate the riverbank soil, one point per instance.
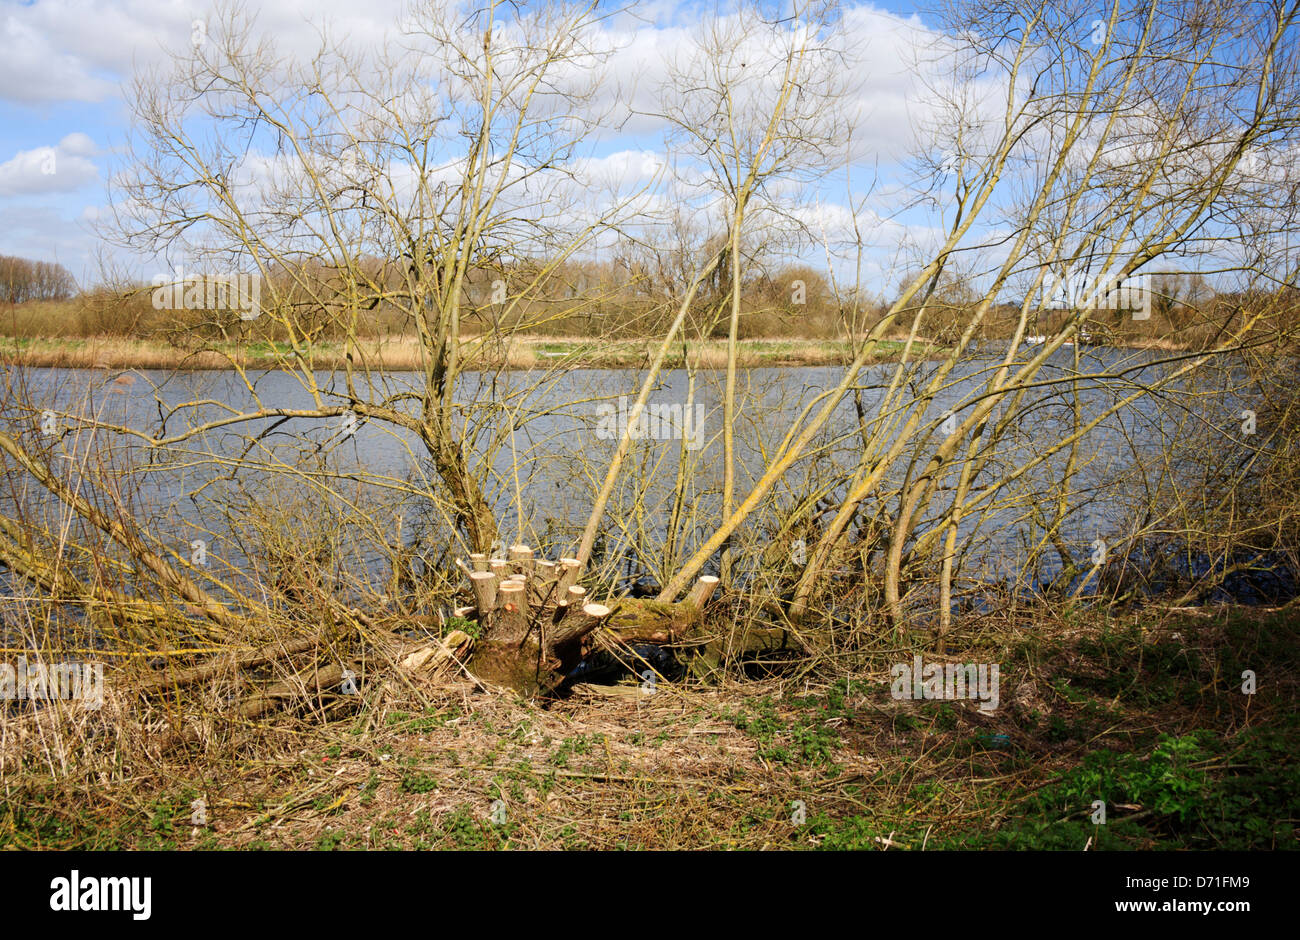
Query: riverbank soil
point(1144, 712)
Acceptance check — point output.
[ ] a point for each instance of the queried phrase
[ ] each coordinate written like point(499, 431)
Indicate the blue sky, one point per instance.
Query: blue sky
point(64, 121)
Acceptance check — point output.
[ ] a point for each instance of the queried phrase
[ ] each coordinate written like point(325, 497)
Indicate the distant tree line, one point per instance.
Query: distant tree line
point(22, 279)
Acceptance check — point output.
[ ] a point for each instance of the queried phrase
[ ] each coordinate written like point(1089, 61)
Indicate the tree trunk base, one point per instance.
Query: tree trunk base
point(533, 619)
point(518, 666)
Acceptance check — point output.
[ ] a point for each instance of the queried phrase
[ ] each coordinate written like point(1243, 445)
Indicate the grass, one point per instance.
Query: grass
point(1143, 712)
point(99, 332)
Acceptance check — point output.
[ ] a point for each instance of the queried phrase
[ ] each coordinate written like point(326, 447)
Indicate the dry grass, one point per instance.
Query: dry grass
point(422, 761)
point(402, 354)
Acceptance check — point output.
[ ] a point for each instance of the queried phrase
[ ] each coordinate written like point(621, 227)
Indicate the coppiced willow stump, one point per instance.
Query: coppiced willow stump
point(533, 618)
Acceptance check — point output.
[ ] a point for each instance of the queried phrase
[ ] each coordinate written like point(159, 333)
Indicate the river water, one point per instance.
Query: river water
point(546, 438)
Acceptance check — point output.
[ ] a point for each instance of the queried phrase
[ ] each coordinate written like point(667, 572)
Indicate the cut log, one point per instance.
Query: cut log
point(561, 611)
point(521, 559)
point(484, 584)
point(641, 620)
point(511, 612)
point(570, 568)
point(541, 587)
point(702, 591)
point(593, 615)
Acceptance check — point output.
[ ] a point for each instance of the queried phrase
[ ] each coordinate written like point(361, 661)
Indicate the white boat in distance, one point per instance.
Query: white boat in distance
point(1084, 338)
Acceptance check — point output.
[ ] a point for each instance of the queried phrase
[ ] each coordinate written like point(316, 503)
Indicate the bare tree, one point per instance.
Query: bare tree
point(450, 156)
point(1114, 154)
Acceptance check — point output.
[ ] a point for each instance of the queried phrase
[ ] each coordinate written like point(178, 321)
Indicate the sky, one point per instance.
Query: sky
point(66, 68)
point(67, 64)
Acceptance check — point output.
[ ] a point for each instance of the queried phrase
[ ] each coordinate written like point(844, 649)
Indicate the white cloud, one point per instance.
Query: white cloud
point(59, 169)
point(78, 144)
point(81, 50)
point(37, 66)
